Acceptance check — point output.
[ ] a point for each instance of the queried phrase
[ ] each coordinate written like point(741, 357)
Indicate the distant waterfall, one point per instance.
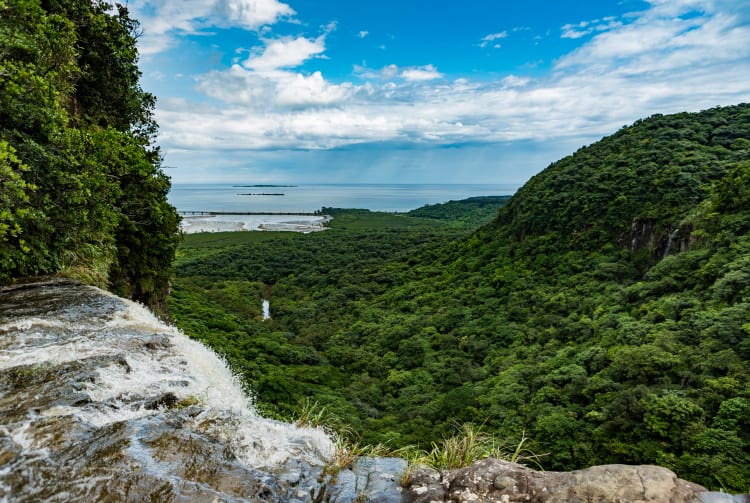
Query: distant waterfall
point(266, 304)
point(99, 400)
point(670, 239)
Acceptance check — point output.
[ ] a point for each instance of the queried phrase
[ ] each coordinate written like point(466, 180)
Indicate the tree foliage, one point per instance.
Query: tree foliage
point(605, 312)
point(83, 192)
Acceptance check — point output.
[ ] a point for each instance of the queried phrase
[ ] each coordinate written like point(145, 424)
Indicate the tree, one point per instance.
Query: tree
point(79, 130)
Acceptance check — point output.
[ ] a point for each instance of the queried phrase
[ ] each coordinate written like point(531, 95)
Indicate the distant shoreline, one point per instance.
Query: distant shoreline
point(310, 198)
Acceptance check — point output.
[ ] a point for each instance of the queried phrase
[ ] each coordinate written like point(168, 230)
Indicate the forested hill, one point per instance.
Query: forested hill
point(604, 314)
point(618, 281)
point(81, 189)
point(633, 188)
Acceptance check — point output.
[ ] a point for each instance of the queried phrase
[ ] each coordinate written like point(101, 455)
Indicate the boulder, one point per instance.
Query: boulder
point(493, 480)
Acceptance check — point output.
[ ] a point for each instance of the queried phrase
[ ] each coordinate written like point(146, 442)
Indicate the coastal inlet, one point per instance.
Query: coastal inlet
point(200, 221)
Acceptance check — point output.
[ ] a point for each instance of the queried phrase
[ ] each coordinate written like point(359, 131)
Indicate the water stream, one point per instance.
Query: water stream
point(670, 240)
point(99, 400)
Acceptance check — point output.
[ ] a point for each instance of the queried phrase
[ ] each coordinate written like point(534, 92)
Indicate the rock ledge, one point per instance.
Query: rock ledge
point(493, 480)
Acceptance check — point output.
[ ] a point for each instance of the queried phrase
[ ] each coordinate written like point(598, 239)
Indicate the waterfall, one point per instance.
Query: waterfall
point(266, 305)
point(101, 400)
point(670, 239)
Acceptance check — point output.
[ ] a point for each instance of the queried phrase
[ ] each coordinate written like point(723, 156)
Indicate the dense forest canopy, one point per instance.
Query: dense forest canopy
point(81, 189)
point(604, 312)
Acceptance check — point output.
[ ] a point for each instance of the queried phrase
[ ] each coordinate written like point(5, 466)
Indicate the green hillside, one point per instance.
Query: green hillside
point(605, 312)
point(641, 182)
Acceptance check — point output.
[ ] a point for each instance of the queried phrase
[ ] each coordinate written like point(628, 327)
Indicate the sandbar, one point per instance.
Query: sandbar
point(229, 223)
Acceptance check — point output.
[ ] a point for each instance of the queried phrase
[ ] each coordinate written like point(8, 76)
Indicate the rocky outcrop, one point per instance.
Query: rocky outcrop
point(646, 234)
point(492, 480)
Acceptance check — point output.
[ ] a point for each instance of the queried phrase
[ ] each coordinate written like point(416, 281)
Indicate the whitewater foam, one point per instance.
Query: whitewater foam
point(90, 366)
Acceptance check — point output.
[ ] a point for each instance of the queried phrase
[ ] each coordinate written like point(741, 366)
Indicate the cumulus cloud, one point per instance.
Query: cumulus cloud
point(269, 78)
point(663, 59)
point(163, 21)
point(287, 52)
point(249, 13)
point(421, 73)
point(271, 90)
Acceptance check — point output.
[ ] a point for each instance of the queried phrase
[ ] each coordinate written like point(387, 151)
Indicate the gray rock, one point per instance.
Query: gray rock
point(493, 480)
point(715, 497)
point(374, 480)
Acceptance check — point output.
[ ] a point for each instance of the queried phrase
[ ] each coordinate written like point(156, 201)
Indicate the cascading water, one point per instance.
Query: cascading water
point(100, 401)
point(670, 240)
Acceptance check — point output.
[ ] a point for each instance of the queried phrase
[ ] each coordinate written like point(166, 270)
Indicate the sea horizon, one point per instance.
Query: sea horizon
point(290, 197)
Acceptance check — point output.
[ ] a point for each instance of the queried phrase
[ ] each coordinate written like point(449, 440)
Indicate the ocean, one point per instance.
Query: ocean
point(308, 198)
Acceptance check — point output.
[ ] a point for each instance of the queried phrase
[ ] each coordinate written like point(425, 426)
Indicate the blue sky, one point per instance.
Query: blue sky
point(477, 91)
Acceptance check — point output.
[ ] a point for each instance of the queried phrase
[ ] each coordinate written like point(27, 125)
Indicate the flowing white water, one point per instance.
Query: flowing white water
point(123, 362)
point(266, 305)
point(670, 240)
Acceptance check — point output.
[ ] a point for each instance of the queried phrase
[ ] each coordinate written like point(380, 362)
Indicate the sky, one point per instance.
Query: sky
point(418, 91)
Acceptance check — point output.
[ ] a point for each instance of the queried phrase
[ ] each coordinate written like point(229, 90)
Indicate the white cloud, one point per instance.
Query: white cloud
point(363, 33)
point(272, 90)
point(673, 8)
point(285, 52)
point(421, 73)
point(515, 81)
point(660, 60)
point(584, 28)
point(488, 39)
point(303, 91)
point(249, 13)
point(163, 21)
point(663, 40)
point(389, 72)
point(386, 73)
point(267, 80)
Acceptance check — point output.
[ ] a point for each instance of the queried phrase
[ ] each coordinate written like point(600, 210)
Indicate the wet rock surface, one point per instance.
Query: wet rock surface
point(99, 401)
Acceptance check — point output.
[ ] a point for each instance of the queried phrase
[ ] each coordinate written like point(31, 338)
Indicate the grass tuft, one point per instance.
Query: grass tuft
point(469, 445)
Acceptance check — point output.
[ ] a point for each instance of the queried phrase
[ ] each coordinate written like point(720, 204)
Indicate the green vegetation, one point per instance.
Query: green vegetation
point(605, 312)
point(601, 316)
point(468, 445)
point(81, 190)
point(471, 212)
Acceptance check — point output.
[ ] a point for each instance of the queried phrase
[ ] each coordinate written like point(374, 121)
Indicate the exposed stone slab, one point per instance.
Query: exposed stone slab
point(493, 480)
